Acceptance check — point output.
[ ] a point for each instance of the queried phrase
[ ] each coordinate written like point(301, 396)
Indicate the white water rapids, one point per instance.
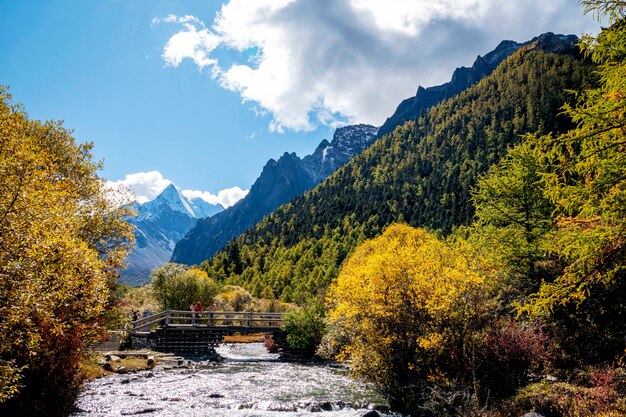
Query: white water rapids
point(250, 382)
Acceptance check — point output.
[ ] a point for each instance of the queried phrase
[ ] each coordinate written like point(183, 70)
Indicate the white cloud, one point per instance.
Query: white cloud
point(195, 42)
point(145, 185)
point(172, 18)
point(411, 17)
point(226, 198)
point(148, 185)
point(327, 62)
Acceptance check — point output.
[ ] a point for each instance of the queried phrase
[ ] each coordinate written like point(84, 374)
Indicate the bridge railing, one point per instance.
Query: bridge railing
point(146, 324)
point(245, 319)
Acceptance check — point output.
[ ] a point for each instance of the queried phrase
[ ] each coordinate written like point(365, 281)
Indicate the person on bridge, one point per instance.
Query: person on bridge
point(192, 307)
point(195, 309)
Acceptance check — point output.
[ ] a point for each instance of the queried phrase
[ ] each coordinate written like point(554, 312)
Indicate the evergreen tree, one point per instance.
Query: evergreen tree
point(514, 218)
point(587, 184)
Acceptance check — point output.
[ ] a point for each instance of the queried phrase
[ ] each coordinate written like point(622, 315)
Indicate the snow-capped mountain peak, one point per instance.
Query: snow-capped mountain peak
point(173, 199)
point(160, 224)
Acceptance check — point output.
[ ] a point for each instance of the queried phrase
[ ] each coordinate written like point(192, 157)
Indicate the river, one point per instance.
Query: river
point(250, 382)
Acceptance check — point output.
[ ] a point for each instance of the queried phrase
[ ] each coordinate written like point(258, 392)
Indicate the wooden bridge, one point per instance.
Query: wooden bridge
point(188, 333)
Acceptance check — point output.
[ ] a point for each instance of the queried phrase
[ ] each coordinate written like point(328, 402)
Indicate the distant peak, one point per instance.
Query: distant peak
point(171, 188)
point(352, 139)
point(289, 156)
point(506, 44)
point(349, 129)
point(170, 191)
point(174, 199)
point(287, 159)
point(321, 147)
point(559, 44)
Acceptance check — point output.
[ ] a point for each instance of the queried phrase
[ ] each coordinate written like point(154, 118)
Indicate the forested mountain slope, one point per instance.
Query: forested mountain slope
point(278, 183)
point(464, 77)
point(421, 174)
point(291, 176)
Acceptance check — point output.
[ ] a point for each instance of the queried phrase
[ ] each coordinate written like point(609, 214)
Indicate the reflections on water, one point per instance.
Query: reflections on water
point(250, 382)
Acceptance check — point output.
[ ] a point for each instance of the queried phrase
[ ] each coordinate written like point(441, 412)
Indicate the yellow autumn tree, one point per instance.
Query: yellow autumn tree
point(404, 312)
point(62, 239)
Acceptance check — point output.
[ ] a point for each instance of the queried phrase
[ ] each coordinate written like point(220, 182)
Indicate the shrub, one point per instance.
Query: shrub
point(305, 327)
point(512, 353)
point(601, 392)
point(233, 298)
point(176, 287)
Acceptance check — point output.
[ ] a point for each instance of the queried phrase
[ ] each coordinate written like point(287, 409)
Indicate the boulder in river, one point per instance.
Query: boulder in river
point(121, 370)
point(326, 406)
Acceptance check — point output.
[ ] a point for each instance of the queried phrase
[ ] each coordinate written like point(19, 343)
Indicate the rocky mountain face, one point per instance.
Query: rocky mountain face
point(159, 224)
point(464, 77)
point(279, 182)
point(347, 142)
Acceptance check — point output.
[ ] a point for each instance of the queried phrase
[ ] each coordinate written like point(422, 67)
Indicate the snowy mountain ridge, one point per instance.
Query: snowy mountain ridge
point(347, 142)
point(161, 223)
point(173, 198)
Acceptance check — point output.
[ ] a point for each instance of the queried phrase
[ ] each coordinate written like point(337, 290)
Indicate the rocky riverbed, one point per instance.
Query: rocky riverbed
point(249, 382)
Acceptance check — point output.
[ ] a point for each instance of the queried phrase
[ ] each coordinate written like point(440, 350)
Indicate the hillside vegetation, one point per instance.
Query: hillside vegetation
point(524, 309)
point(421, 174)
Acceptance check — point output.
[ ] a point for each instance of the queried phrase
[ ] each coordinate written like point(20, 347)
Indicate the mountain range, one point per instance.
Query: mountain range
point(192, 241)
point(288, 177)
point(159, 224)
point(464, 77)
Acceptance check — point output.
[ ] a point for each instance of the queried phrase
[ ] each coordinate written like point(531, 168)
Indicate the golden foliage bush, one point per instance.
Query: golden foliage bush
point(406, 311)
point(176, 287)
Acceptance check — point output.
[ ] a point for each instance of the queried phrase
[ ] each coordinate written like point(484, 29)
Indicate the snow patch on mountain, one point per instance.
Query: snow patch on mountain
point(325, 152)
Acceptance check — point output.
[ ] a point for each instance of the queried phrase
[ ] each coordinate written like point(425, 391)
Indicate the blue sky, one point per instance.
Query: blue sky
point(205, 92)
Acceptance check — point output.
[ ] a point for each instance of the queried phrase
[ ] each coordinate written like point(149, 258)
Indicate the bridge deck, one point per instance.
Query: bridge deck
point(224, 321)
